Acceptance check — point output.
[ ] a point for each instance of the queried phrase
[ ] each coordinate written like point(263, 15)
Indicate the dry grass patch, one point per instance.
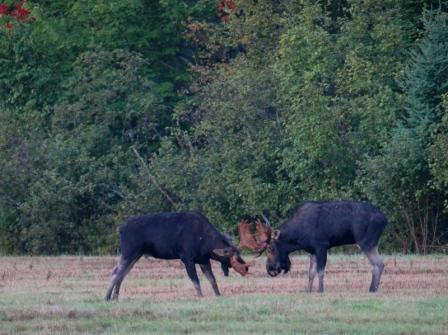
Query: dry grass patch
point(48, 295)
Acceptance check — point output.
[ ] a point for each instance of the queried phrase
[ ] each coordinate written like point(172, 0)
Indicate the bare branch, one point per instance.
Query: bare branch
point(153, 180)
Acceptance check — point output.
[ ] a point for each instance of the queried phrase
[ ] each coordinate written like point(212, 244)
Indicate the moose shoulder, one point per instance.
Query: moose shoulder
point(187, 236)
point(318, 226)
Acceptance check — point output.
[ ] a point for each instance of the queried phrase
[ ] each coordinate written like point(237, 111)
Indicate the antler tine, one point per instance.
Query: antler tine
point(247, 240)
point(263, 232)
point(265, 219)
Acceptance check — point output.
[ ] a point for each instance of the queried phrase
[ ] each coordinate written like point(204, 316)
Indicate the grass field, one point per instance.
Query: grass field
point(64, 295)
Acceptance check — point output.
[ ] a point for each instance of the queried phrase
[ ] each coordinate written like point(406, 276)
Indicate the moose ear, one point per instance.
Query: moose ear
point(224, 252)
point(275, 234)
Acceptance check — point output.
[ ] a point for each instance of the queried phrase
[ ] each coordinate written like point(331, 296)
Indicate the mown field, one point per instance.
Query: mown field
point(64, 295)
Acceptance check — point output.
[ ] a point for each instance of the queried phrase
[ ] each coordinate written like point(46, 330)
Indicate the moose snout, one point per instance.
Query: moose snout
point(273, 270)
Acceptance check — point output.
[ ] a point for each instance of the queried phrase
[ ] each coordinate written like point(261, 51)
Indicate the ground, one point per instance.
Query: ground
point(65, 295)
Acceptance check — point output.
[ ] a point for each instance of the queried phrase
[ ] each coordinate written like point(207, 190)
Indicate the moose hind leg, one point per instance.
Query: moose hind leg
point(321, 261)
point(128, 268)
point(191, 271)
point(117, 276)
point(312, 272)
point(207, 270)
point(377, 268)
point(113, 280)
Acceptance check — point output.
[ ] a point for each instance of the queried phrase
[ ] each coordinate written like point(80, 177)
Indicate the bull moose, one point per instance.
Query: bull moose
point(316, 227)
point(187, 236)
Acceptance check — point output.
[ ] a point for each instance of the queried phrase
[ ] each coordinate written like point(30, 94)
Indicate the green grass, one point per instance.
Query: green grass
point(32, 304)
point(279, 314)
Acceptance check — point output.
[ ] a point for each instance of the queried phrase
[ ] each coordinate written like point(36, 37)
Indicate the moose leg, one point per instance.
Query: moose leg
point(321, 261)
point(112, 282)
point(207, 270)
point(377, 268)
point(117, 275)
point(225, 269)
point(312, 272)
point(120, 280)
point(191, 271)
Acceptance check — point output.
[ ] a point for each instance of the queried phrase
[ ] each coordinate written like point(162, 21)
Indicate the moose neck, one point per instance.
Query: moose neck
point(289, 246)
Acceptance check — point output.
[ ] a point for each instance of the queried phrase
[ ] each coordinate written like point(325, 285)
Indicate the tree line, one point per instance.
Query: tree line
point(115, 108)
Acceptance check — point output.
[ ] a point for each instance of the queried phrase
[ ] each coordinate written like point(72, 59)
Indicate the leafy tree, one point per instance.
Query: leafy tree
point(284, 122)
point(400, 177)
point(338, 81)
point(223, 157)
point(80, 85)
point(109, 109)
point(71, 201)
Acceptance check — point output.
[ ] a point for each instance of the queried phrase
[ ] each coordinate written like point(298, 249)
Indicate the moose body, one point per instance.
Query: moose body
point(318, 226)
point(187, 236)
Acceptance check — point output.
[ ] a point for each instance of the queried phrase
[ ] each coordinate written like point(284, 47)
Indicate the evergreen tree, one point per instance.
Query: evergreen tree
point(439, 153)
point(400, 179)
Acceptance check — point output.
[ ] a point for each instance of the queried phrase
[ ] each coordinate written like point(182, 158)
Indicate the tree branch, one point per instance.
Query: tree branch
point(153, 180)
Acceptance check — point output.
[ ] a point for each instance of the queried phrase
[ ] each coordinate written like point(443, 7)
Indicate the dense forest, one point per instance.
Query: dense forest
point(231, 107)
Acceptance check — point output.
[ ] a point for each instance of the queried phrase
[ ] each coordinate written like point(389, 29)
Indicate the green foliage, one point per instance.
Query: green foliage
point(225, 165)
point(399, 179)
point(69, 205)
point(110, 109)
point(439, 152)
point(81, 84)
point(341, 106)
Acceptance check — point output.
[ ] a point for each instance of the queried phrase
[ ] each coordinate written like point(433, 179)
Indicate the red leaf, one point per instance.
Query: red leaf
point(22, 14)
point(4, 9)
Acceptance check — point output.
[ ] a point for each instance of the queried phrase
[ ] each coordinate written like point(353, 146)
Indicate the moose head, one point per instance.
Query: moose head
point(232, 258)
point(265, 239)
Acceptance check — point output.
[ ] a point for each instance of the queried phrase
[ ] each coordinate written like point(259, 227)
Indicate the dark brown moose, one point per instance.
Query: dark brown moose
point(187, 236)
point(316, 227)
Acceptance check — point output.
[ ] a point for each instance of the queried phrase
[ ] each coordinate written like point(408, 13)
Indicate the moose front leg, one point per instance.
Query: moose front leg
point(207, 270)
point(225, 269)
point(190, 266)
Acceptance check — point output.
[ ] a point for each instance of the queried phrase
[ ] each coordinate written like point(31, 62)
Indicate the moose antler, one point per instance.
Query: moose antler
point(249, 241)
point(264, 234)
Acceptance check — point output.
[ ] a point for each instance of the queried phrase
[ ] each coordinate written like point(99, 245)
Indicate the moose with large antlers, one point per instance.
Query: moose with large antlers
point(316, 227)
point(187, 236)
